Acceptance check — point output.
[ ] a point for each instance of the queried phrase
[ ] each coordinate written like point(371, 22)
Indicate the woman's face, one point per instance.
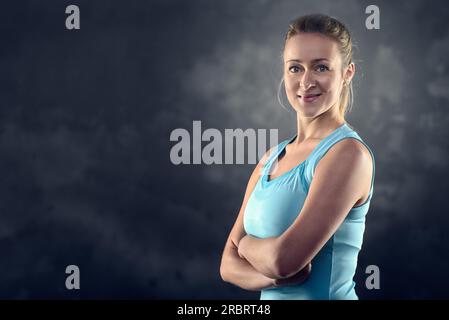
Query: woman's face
point(313, 73)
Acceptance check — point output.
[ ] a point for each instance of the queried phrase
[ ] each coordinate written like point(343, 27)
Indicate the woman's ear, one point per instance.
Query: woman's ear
point(349, 74)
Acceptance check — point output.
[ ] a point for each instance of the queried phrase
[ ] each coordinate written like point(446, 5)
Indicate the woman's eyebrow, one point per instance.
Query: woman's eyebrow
point(313, 61)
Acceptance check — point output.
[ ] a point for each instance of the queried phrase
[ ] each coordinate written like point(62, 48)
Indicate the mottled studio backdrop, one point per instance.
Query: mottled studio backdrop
point(85, 123)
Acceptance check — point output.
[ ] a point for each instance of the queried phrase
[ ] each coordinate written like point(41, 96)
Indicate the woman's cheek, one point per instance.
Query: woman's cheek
point(325, 83)
point(289, 89)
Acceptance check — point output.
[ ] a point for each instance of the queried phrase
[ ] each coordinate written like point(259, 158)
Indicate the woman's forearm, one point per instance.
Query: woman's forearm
point(261, 254)
point(241, 273)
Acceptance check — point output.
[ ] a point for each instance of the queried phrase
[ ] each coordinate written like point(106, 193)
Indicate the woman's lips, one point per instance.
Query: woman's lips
point(310, 97)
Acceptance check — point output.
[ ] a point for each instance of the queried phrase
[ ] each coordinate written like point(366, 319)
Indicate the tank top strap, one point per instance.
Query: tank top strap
point(345, 133)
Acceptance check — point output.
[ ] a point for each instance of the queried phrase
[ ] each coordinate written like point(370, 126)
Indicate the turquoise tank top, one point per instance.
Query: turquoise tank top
point(275, 204)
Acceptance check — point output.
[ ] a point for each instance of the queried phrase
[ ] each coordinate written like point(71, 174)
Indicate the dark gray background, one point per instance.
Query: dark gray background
point(85, 120)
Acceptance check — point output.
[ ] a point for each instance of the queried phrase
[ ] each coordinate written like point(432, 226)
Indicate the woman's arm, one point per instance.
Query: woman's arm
point(258, 252)
point(333, 192)
point(296, 279)
point(261, 253)
point(239, 272)
point(242, 274)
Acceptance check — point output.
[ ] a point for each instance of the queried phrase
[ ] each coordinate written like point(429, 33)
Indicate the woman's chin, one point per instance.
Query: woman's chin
point(307, 112)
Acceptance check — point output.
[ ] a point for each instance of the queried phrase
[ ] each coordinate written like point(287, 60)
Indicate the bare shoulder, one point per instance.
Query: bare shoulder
point(351, 148)
point(349, 155)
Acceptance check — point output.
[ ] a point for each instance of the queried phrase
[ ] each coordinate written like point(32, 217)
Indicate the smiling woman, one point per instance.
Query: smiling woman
point(300, 227)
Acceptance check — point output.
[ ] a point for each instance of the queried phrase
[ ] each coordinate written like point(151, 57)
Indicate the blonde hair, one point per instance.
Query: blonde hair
point(337, 31)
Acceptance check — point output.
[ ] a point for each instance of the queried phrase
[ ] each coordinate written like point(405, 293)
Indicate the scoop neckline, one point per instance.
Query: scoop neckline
point(270, 164)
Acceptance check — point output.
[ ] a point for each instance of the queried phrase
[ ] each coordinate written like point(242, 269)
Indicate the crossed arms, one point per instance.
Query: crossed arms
point(339, 182)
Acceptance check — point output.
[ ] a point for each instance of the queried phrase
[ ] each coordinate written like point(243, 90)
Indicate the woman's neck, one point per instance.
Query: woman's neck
point(317, 128)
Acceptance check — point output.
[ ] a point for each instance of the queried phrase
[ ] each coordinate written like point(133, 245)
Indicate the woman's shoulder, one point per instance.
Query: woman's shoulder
point(352, 152)
point(350, 142)
point(351, 147)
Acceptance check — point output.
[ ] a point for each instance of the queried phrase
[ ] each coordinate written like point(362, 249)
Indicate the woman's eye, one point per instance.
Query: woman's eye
point(322, 68)
point(294, 69)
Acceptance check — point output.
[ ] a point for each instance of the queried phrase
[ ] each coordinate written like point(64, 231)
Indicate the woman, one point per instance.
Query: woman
point(301, 224)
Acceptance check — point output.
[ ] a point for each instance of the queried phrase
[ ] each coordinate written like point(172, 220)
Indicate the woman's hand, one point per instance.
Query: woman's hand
point(295, 279)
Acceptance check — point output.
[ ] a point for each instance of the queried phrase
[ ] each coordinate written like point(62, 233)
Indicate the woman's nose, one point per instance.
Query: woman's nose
point(307, 80)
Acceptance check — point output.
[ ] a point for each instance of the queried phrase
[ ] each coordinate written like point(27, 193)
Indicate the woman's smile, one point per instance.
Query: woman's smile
point(310, 97)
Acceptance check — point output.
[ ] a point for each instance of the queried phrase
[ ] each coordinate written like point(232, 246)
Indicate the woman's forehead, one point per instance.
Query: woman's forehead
point(307, 47)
